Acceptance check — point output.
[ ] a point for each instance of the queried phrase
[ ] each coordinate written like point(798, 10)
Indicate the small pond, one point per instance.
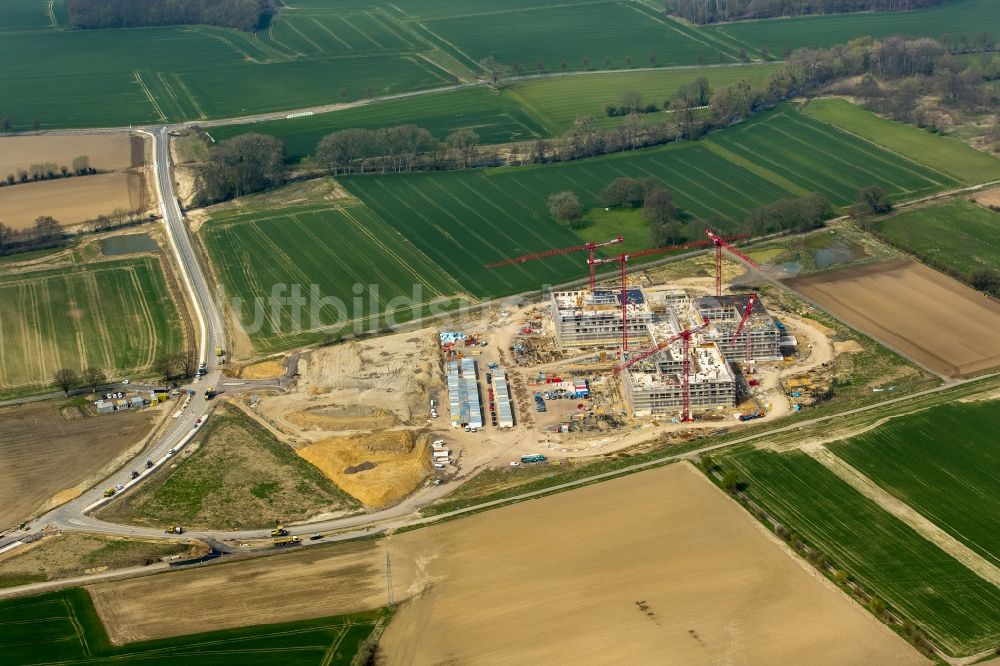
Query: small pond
point(128, 244)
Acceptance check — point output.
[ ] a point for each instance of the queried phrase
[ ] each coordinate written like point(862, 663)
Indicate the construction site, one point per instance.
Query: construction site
point(607, 358)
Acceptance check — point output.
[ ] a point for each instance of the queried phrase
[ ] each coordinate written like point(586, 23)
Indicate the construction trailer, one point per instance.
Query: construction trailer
point(588, 318)
point(463, 394)
point(501, 394)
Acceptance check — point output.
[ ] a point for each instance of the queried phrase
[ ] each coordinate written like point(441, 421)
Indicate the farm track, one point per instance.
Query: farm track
point(904, 512)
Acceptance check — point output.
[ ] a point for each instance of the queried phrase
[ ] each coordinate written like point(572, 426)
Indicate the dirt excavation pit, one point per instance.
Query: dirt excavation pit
point(333, 418)
point(366, 385)
point(262, 370)
point(377, 469)
point(940, 323)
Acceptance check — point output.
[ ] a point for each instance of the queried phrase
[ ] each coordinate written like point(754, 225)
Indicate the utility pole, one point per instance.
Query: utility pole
point(388, 578)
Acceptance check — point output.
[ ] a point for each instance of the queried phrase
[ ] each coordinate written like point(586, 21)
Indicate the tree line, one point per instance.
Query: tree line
point(669, 225)
point(45, 233)
point(241, 165)
point(254, 161)
point(50, 170)
point(711, 11)
point(247, 15)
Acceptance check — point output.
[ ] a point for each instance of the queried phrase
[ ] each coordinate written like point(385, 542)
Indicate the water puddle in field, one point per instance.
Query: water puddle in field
point(840, 251)
point(790, 268)
point(128, 244)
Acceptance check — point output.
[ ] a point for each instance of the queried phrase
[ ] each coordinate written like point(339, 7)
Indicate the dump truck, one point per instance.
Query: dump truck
point(108, 492)
point(209, 392)
point(279, 531)
point(175, 529)
point(285, 540)
point(218, 351)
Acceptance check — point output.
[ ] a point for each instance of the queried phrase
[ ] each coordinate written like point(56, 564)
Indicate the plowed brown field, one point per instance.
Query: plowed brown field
point(107, 152)
point(659, 567)
point(49, 451)
point(71, 200)
point(938, 322)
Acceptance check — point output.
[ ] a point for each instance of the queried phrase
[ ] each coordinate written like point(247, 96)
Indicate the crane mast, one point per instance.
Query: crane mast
point(719, 242)
point(746, 317)
point(685, 337)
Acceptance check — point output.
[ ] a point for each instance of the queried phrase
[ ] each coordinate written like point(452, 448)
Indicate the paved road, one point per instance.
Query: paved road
point(72, 516)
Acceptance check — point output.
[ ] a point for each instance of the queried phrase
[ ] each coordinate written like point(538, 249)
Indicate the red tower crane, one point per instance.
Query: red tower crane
point(746, 317)
point(622, 259)
point(720, 243)
point(589, 247)
point(685, 337)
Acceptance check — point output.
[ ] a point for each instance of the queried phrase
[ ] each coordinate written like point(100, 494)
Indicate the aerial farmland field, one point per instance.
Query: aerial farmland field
point(158, 75)
point(468, 595)
point(968, 17)
point(522, 111)
point(724, 176)
point(959, 610)
point(496, 119)
point(77, 446)
point(945, 155)
point(822, 158)
point(334, 247)
point(945, 463)
point(957, 233)
point(64, 627)
point(956, 335)
point(558, 100)
point(117, 315)
point(580, 35)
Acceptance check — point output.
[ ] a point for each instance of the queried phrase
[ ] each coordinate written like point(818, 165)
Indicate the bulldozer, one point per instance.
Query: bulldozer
point(279, 531)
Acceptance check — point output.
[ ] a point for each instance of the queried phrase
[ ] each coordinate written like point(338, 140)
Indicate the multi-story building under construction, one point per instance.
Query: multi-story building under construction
point(653, 387)
point(594, 318)
point(725, 313)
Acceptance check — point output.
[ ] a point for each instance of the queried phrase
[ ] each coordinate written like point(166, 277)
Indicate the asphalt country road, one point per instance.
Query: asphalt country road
point(73, 515)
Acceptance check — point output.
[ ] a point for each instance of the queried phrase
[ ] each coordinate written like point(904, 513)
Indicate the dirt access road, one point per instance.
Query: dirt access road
point(947, 327)
point(579, 576)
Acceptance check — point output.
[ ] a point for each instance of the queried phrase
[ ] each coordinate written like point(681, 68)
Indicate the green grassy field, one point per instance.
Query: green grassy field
point(822, 158)
point(21, 15)
point(556, 101)
point(240, 477)
point(956, 608)
point(495, 118)
point(945, 463)
point(159, 74)
point(522, 111)
point(968, 17)
point(332, 246)
point(957, 233)
point(946, 155)
point(553, 33)
point(312, 54)
point(63, 627)
point(117, 315)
